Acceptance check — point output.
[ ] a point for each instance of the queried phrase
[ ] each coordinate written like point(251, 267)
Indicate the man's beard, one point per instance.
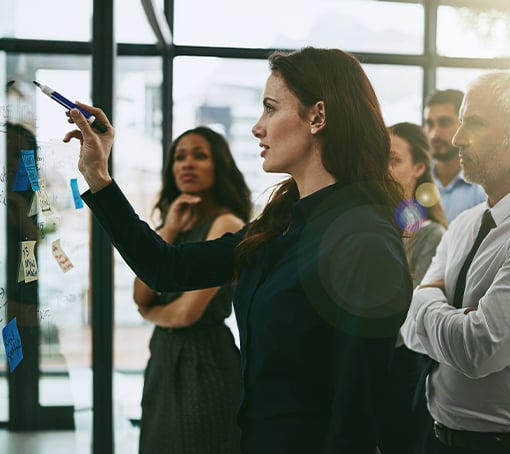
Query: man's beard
point(450, 154)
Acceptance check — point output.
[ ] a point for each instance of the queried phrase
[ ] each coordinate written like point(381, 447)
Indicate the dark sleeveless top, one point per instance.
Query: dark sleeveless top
point(220, 307)
point(192, 382)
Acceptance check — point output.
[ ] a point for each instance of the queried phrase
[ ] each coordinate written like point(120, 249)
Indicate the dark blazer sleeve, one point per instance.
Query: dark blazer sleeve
point(162, 266)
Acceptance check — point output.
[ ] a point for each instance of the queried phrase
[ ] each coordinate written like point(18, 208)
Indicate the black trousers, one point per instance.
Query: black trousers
point(436, 447)
point(405, 430)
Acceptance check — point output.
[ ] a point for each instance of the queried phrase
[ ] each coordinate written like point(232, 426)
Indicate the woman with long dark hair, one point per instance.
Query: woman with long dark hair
point(193, 377)
point(410, 166)
point(322, 282)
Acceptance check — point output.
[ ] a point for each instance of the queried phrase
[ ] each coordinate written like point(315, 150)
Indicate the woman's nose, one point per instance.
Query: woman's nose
point(187, 161)
point(256, 130)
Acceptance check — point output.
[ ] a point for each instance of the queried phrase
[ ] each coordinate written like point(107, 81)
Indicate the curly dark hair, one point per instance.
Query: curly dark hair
point(230, 188)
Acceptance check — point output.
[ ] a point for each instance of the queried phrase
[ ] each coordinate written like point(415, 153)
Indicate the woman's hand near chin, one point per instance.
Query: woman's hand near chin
point(181, 216)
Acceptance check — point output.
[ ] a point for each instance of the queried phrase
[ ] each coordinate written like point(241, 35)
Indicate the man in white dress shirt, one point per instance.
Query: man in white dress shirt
point(469, 391)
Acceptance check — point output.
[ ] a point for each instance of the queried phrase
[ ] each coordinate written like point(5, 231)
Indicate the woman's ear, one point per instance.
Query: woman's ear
point(317, 117)
point(419, 169)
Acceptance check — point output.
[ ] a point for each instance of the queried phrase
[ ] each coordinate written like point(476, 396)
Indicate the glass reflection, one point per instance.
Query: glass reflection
point(354, 25)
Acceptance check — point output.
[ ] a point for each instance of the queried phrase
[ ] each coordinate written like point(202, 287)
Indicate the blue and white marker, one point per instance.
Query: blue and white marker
point(93, 121)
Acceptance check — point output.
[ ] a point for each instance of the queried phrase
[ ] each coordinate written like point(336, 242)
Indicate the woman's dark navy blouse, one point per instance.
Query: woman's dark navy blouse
point(318, 310)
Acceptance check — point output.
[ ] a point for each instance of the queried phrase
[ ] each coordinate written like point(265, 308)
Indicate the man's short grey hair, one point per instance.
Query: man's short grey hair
point(499, 84)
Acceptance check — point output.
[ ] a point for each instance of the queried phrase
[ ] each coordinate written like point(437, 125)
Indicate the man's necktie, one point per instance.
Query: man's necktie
point(485, 227)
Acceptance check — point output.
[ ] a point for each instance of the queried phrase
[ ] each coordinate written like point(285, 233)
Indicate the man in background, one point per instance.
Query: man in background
point(441, 121)
point(460, 314)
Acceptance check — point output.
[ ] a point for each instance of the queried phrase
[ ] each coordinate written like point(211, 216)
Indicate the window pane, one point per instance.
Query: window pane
point(131, 24)
point(355, 25)
point(34, 19)
point(484, 32)
point(458, 78)
point(63, 309)
point(399, 91)
point(137, 161)
point(64, 306)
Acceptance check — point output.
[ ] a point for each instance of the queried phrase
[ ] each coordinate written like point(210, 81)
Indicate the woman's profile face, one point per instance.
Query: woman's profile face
point(193, 164)
point(402, 168)
point(283, 133)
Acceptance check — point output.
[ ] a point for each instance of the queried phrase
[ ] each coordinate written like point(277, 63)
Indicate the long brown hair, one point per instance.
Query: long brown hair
point(230, 188)
point(356, 143)
point(419, 146)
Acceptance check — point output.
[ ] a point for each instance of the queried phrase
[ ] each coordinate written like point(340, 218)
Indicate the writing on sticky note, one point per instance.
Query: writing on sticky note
point(27, 268)
point(30, 166)
point(60, 256)
point(12, 344)
point(78, 202)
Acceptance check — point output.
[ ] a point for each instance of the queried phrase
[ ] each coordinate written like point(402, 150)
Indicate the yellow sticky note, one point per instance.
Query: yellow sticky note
point(27, 269)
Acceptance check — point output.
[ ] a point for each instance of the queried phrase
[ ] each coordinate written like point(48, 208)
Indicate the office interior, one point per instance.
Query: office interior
point(157, 68)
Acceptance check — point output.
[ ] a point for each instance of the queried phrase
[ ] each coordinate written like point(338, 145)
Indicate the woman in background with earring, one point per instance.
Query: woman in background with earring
point(192, 383)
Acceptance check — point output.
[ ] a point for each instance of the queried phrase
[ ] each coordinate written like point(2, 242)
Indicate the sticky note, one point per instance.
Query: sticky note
point(78, 202)
point(34, 206)
point(27, 268)
point(21, 181)
point(12, 343)
point(60, 256)
point(43, 199)
point(28, 158)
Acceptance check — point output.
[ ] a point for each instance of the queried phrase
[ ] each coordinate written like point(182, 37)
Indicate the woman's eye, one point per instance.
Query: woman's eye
point(268, 108)
point(179, 157)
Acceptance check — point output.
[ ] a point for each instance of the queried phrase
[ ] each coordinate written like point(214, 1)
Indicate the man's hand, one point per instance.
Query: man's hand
point(437, 284)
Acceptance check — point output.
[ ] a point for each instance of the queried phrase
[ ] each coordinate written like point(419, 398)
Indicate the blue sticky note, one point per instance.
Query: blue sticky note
point(78, 202)
point(12, 343)
point(21, 181)
point(28, 157)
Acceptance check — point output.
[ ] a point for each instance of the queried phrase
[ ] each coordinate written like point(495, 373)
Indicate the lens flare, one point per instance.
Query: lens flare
point(427, 194)
point(410, 215)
